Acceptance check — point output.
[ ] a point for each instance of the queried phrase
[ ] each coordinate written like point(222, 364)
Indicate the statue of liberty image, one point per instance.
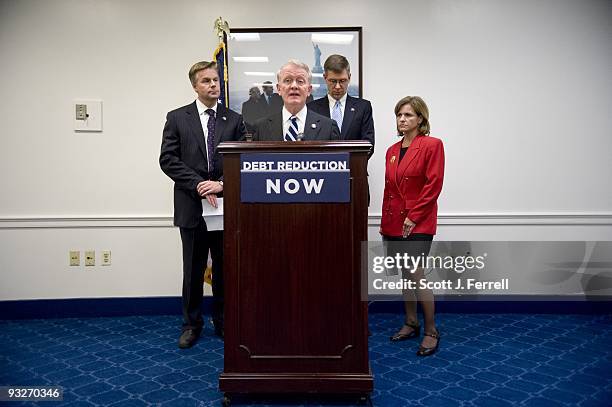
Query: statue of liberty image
point(317, 68)
point(319, 89)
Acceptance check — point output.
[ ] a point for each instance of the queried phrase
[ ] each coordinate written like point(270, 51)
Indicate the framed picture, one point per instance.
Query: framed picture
point(256, 54)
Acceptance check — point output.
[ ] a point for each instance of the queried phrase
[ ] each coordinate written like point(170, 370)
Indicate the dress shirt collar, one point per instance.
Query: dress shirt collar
point(301, 116)
point(202, 107)
point(332, 102)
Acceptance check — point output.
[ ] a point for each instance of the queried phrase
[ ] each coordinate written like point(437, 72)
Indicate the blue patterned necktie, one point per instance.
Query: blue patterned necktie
point(292, 133)
point(337, 114)
point(210, 142)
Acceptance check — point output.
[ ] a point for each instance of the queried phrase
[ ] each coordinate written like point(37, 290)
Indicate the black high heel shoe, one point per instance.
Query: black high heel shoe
point(423, 351)
point(416, 331)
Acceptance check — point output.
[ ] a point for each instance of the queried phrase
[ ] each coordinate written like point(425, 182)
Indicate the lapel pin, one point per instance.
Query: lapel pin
point(314, 126)
point(352, 109)
point(224, 118)
point(392, 159)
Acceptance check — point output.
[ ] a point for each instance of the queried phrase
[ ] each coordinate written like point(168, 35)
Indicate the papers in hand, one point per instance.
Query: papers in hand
point(213, 216)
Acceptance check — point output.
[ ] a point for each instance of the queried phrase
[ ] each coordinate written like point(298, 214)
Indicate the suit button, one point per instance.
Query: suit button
point(390, 197)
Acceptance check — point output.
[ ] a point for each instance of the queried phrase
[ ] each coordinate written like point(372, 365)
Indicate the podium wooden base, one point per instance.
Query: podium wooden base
point(296, 383)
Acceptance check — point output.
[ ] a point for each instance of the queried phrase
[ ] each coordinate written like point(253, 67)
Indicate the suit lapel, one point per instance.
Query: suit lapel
point(276, 126)
point(349, 114)
point(220, 123)
point(193, 118)
point(324, 106)
point(312, 127)
point(393, 163)
point(412, 152)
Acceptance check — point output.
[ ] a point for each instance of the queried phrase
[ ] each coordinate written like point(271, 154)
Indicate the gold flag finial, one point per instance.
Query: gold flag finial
point(222, 27)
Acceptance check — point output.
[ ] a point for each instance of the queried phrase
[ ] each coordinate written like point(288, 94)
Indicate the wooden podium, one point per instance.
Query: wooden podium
point(295, 321)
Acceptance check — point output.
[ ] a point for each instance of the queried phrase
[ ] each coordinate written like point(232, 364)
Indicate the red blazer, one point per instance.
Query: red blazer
point(412, 186)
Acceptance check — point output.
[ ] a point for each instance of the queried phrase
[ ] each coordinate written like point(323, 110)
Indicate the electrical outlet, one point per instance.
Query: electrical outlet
point(106, 257)
point(75, 258)
point(90, 257)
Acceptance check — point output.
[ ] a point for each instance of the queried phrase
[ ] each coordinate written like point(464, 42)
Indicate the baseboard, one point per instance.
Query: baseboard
point(507, 305)
point(114, 307)
point(93, 307)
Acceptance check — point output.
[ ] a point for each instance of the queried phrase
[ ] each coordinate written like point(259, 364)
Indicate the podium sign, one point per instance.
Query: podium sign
point(285, 177)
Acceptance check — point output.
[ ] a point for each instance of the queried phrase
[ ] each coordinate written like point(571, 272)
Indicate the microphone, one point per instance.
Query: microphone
point(248, 134)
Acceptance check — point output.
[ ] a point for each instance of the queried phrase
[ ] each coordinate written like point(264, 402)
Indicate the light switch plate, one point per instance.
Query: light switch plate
point(88, 115)
point(81, 112)
point(106, 257)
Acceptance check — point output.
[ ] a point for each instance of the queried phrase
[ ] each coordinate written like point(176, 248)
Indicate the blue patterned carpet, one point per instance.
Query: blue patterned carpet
point(485, 360)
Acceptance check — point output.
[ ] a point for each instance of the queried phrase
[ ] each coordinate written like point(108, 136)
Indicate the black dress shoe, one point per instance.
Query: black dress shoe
point(188, 338)
point(423, 351)
point(416, 331)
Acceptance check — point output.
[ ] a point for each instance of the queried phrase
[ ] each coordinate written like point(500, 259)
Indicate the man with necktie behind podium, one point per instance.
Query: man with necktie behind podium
point(353, 115)
point(295, 121)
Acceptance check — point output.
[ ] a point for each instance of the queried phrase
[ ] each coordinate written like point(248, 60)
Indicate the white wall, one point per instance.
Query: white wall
point(520, 92)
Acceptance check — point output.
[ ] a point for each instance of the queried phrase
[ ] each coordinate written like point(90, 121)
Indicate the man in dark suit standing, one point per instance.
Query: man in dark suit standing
point(189, 157)
point(353, 115)
point(254, 108)
point(272, 101)
point(295, 121)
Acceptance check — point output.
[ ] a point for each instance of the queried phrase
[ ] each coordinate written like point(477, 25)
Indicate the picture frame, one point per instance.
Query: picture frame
point(256, 54)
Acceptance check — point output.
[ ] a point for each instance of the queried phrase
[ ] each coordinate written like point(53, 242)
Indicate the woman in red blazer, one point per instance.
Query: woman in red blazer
point(413, 181)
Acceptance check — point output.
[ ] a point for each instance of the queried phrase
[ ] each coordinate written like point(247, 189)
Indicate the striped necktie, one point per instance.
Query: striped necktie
point(292, 133)
point(337, 114)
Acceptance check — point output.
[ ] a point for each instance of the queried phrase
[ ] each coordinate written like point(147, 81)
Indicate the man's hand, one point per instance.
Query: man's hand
point(209, 187)
point(407, 227)
point(212, 200)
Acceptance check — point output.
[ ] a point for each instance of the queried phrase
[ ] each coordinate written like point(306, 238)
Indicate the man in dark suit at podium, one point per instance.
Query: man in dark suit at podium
point(295, 121)
point(190, 158)
point(353, 115)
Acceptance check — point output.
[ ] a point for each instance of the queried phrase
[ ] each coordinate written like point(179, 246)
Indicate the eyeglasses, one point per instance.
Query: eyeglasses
point(341, 82)
point(288, 81)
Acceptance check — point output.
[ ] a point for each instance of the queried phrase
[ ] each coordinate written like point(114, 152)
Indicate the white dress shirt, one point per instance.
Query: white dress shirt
point(204, 120)
point(332, 103)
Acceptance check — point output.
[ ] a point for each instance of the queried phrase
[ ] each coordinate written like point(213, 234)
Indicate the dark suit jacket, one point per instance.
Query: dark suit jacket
point(357, 123)
point(317, 127)
point(183, 156)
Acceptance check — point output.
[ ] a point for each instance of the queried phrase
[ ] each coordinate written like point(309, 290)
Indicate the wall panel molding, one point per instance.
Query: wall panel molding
point(518, 219)
point(445, 219)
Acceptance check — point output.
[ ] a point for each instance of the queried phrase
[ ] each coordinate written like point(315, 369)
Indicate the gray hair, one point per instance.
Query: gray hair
point(299, 64)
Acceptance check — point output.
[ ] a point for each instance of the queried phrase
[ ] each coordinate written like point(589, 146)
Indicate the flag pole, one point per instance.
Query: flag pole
point(220, 56)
